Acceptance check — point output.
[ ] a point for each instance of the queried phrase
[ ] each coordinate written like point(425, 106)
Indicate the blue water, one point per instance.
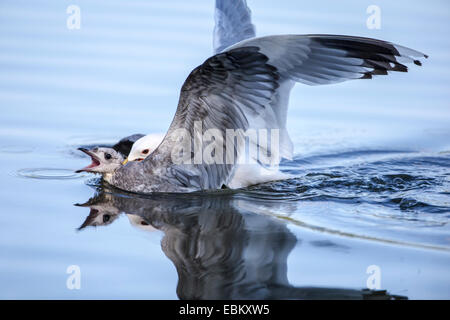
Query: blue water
point(372, 160)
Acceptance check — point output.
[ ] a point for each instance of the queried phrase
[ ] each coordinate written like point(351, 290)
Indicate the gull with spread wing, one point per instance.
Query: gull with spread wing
point(246, 87)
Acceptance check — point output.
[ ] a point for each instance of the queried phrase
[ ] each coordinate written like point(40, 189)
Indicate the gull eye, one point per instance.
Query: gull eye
point(107, 156)
point(145, 151)
point(106, 218)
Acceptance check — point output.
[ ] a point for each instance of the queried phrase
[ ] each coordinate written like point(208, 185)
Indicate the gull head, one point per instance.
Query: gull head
point(143, 147)
point(102, 211)
point(104, 160)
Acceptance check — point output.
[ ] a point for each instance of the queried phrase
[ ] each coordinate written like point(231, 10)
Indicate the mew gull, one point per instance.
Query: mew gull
point(245, 87)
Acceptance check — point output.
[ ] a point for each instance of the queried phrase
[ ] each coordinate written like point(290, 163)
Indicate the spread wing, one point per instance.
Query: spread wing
point(233, 24)
point(248, 85)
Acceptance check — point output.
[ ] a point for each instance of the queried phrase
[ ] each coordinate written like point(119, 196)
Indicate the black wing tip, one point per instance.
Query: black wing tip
point(380, 72)
point(417, 62)
point(400, 68)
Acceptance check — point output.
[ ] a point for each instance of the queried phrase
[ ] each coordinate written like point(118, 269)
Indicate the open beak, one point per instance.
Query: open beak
point(94, 158)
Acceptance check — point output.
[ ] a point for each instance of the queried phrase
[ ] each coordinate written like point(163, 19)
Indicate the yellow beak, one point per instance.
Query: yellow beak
point(125, 161)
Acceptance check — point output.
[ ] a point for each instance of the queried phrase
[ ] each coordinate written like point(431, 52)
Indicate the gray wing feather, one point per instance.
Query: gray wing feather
point(233, 24)
point(228, 91)
point(125, 144)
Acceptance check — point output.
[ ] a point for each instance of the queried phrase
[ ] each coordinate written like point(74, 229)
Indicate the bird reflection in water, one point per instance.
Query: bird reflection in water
point(221, 249)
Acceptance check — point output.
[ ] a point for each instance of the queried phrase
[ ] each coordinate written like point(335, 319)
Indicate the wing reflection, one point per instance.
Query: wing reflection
point(220, 249)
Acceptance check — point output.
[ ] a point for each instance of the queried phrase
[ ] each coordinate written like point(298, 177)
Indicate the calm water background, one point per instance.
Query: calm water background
point(372, 158)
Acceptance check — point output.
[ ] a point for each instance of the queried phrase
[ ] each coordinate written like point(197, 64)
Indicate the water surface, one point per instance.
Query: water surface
point(371, 165)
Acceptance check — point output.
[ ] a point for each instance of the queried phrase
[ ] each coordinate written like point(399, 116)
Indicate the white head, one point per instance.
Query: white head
point(142, 148)
point(104, 160)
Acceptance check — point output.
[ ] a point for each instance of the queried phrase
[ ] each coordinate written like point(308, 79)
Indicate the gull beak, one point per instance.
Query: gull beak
point(125, 161)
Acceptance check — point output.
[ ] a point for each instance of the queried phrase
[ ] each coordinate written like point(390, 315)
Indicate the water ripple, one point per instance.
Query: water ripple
point(49, 173)
point(401, 199)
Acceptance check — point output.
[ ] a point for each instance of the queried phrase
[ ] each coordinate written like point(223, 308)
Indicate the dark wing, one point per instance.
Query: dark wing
point(125, 144)
point(231, 90)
